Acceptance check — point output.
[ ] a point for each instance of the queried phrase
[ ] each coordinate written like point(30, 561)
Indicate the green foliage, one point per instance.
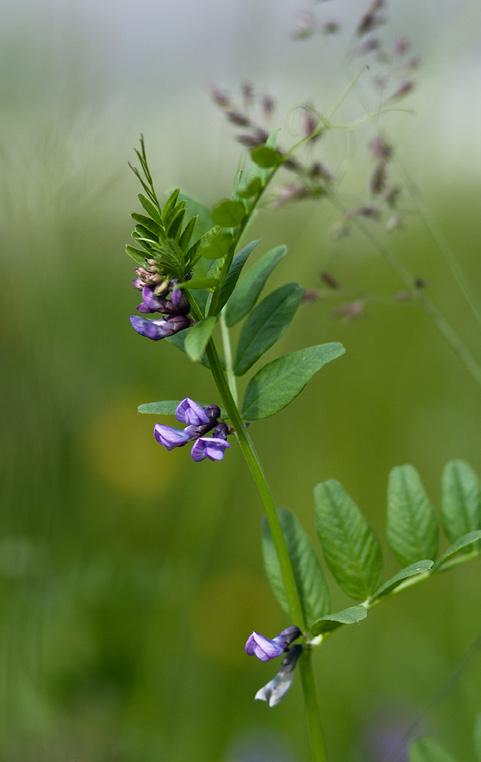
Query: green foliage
point(461, 499)
point(266, 157)
point(228, 285)
point(351, 549)
point(351, 615)
point(403, 577)
point(427, 750)
point(198, 338)
point(249, 287)
point(164, 407)
point(164, 233)
point(228, 213)
point(216, 243)
point(311, 584)
point(464, 542)
point(265, 324)
point(179, 340)
point(412, 529)
point(279, 382)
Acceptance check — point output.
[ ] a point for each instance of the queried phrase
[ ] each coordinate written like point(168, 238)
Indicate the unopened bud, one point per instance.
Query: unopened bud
point(219, 97)
point(237, 118)
point(268, 106)
point(329, 280)
point(404, 89)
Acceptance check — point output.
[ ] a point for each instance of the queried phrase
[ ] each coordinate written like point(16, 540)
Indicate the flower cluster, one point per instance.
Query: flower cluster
point(199, 422)
point(266, 649)
point(159, 294)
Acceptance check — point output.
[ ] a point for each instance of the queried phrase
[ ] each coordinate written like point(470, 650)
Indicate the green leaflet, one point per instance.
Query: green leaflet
point(228, 213)
point(215, 243)
point(251, 284)
point(196, 209)
point(350, 547)
point(279, 382)
point(265, 324)
point(351, 615)
point(266, 157)
point(413, 570)
point(226, 288)
point(310, 580)
point(427, 750)
point(179, 339)
point(461, 499)
point(412, 529)
point(165, 407)
point(198, 338)
point(461, 544)
point(137, 255)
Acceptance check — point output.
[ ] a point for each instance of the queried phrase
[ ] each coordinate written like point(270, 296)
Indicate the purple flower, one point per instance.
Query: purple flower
point(274, 691)
point(200, 420)
point(212, 448)
point(170, 437)
point(159, 329)
point(190, 412)
point(262, 647)
point(151, 302)
point(266, 649)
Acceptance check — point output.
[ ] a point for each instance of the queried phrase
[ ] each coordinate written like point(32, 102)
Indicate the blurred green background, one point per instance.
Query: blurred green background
point(130, 578)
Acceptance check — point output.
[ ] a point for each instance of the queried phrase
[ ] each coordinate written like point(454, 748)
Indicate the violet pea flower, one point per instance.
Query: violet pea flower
point(266, 649)
point(170, 437)
point(212, 448)
point(159, 329)
point(275, 690)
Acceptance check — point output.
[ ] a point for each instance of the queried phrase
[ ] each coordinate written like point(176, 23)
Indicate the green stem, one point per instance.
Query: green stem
point(312, 707)
point(226, 345)
point(295, 607)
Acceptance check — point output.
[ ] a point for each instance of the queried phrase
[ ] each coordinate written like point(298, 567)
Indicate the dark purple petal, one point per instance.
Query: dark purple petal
point(260, 646)
point(221, 431)
point(179, 302)
point(287, 636)
point(190, 412)
point(209, 447)
point(158, 329)
point(213, 411)
point(169, 437)
point(151, 302)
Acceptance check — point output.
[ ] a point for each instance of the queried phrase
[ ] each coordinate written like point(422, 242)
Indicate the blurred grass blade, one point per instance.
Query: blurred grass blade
point(427, 750)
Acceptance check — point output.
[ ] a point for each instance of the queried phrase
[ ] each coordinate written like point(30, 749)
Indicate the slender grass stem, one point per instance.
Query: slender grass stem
point(442, 324)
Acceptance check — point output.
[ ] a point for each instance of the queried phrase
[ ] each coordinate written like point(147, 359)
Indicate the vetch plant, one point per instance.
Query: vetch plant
point(190, 269)
point(196, 281)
